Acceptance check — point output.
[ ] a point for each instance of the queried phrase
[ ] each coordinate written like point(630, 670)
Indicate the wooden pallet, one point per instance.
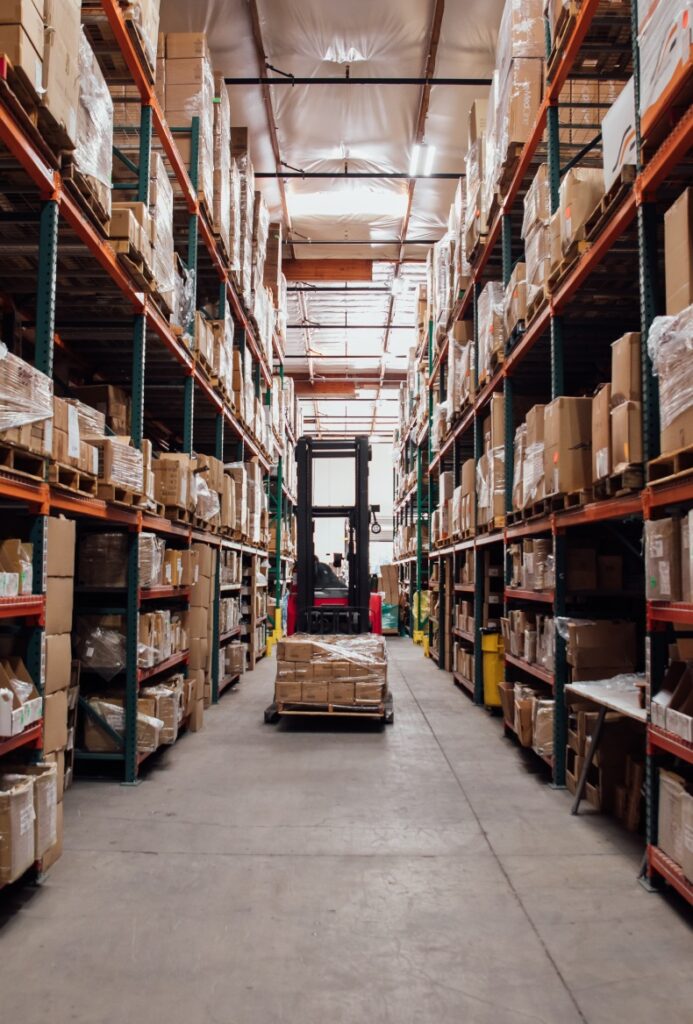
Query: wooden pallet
point(134, 262)
point(117, 495)
point(377, 711)
point(515, 336)
point(609, 202)
point(559, 273)
point(178, 515)
point(151, 506)
point(512, 159)
point(672, 466)
point(576, 499)
point(561, 33)
point(22, 462)
point(538, 304)
point(71, 479)
point(497, 359)
point(495, 523)
point(617, 484)
point(91, 195)
point(476, 250)
point(201, 360)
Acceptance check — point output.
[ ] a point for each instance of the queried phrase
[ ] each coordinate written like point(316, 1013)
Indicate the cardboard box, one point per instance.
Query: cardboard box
point(295, 649)
point(287, 691)
point(340, 692)
point(314, 692)
point(197, 716)
point(55, 721)
point(181, 45)
point(61, 63)
point(58, 662)
point(662, 559)
point(601, 433)
point(678, 253)
point(610, 573)
point(17, 44)
point(602, 643)
point(626, 379)
point(670, 817)
point(60, 555)
point(626, 436)
point(56, 851)
point(515, 305)
point(567, 445)
point(687, 558)
point(581, 190)
point(687, 834)
point(581, 568)
point(16, 826)
point(59, 598)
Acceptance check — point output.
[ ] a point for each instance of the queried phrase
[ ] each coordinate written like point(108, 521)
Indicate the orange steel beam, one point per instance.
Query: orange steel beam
point(328, 270)
point(673, 150)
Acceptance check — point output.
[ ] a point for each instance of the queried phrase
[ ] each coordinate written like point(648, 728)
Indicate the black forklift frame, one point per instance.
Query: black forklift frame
point(353, 617)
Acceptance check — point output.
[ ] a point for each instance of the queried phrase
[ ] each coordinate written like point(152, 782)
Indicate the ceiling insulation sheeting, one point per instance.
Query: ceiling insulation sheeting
point(324, 128)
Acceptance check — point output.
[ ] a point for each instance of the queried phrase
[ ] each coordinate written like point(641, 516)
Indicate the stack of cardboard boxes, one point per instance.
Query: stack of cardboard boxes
point(600, 649)
point(189, 93)
point(669, 559)
point(490, 468)
point(30, 819)
point(200, 627)
point(26, 406)
point(341, 670)
point(389, 579)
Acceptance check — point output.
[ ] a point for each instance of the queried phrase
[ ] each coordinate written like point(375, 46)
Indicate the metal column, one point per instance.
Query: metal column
point(45, 286)
point(139, 355)
point(560, 665)
point(478, 556)
point(131, 659)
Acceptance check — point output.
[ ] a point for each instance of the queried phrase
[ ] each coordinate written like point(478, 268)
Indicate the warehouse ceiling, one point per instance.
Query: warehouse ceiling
point(349, 343)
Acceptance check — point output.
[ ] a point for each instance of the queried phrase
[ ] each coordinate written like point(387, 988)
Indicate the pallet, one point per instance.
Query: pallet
point(617, 484)
point(495, 523)
point(512, 159)
point(202, 361)
point(576, 499)
point(562, 32)
point(152, 507)
point(476, 250)
point(538, 304)
point(134, 262)
point(383, 712)
point(672, 466)
point(117, 495)
point(515, 336)
point(497, 359)
point(85, 190)
point(610, 202)
point(178, 515)
point(22, 462)
point(70, 479)
point(559, 273)
point(205, 525)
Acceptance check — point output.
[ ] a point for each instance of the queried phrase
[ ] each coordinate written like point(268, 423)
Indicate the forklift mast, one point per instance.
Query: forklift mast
point(352, 616)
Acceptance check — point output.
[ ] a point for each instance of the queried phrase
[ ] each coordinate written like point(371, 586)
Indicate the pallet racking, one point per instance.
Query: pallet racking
point(77, 305)
point(558, 353)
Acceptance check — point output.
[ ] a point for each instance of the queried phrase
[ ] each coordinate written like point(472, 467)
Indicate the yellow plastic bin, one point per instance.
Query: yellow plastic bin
point(493, 654)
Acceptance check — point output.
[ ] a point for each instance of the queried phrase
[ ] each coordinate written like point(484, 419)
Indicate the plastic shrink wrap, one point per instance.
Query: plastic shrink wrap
point(100, 648)
point(26, 394)
point(670, 346)
point(491, 324)
point(221, 207)
point(161, 210)
point(93, 154)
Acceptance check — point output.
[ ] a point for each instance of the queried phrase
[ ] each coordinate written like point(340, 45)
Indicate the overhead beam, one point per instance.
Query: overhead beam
point(339, 388)
point(439, 175)
point(343, 289)
point(365, 241)
point(291, 80)
point(350, 327)
point(328, 270)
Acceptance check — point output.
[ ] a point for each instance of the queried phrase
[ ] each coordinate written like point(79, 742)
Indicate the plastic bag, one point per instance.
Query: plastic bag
point(670, 347)
point(100, 649)
point(26, 394)
point(93, 153)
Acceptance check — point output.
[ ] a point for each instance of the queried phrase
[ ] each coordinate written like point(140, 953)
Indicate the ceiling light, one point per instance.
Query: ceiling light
point(349, 202)
point(414, 162)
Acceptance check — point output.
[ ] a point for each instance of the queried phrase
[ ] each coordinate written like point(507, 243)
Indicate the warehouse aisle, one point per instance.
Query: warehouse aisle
point(313, 874)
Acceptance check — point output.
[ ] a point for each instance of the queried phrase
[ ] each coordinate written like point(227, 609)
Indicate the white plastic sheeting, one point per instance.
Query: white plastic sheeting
point(321, 127)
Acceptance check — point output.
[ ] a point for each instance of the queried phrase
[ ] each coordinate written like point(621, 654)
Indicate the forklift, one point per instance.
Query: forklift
point(320, 602)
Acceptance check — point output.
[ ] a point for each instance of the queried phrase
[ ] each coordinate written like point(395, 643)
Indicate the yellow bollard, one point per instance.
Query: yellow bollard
point(426, 647)
point(270, 644)
point(277, 623)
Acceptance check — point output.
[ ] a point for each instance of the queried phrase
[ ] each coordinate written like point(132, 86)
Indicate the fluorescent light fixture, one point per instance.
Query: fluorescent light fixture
point(360, 201)
point(414, 162)
point(428, 162)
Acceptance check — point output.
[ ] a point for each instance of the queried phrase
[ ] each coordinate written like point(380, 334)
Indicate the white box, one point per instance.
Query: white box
point(618, 135)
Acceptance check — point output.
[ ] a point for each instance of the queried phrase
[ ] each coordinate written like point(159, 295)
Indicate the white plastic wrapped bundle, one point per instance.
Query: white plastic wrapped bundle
point(245, 167)
point(206, 501)
point(475, 214)
point(442, 283)
point(517, 103)
point(26, 394)
point(235, 228)
point(533, 472)
point(491, 159)
point(537, 208)
point(521, 33)
point(221, 213)
point(151, 559)
point(670, 345)
point(261, 223)
point(100, 648)
point(491, 322)
point(93, 154)
point(200, 104)
point(537, 260)
point(664, 42)
point(518, 465)
point(483, 489)
point(161, 209)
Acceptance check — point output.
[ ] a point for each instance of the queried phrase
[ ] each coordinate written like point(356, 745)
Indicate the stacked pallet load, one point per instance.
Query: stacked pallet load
point(331, 674)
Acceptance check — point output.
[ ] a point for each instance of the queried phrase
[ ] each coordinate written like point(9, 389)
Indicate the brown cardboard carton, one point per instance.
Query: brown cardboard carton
point(17, 44)
point(197, 716)
point(601, 433)
point(186, 44)
point(598, 643)
point(663, 560)
point(368, 692)
point(515, 306)
point(626, 435)
point(55, 851)
point(581, 568)
point(340, 692)
point(25, 13)
point(16, 815)
point(581, 190)
point(567, 445)
point(58, 663)
point(55, 721)
point(678, 253)
point(687, 559)
point(59, 597)
point(670, 820)
point(477, 120)
point(314, 692)
point(61, 63)
point(295, 649)
point(287, 691)
point(60, 557)
point(626, 380)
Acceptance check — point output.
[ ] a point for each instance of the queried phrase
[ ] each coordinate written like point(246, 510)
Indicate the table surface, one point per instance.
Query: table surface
point(623, 701)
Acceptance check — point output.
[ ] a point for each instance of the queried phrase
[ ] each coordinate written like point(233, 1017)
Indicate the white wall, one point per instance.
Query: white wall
point(334, 485)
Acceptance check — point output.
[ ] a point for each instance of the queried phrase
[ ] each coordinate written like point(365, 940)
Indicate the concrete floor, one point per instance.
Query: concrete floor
point(335, 874)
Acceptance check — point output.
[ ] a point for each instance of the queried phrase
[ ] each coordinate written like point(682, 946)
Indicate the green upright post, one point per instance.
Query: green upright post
point(144, 154)
point(278, 540)
point(45, 286)
point(560, 724)
point(419, 538)
point(219, 454)
point(188, 413)
point(193, 228)
point(506, 227)
point(139, 355)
